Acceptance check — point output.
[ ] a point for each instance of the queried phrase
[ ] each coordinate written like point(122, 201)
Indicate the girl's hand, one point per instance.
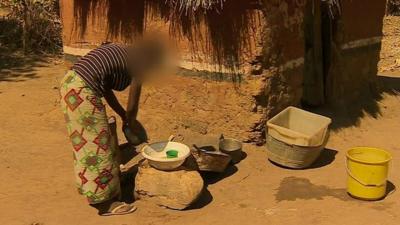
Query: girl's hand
point(134, 132)
point(134, 126)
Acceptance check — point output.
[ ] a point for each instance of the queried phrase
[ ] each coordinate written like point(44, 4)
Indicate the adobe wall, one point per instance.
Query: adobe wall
point(202, 101)
point(282, 58)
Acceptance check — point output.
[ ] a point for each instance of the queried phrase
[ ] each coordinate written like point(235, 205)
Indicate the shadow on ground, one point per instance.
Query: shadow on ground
point(390, 188)
point(350, 113)
point(17, 67)
point(327, 157)
point(210, 143)
point(128, 178)
point(205, 199)
point(211, 178)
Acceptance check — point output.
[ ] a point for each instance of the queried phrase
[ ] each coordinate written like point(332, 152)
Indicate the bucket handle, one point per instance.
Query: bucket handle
point(362, 182)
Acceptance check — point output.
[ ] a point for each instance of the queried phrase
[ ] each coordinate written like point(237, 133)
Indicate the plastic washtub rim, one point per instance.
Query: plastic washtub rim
point(146, 156)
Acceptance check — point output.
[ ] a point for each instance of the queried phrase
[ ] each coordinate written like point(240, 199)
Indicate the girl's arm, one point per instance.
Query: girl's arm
point(133, 103)
point(115, 105)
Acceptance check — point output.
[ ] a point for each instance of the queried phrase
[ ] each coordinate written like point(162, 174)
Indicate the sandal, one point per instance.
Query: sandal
point(119, 208)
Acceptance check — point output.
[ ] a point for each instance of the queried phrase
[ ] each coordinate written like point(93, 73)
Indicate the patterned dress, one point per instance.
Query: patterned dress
point(95, 162)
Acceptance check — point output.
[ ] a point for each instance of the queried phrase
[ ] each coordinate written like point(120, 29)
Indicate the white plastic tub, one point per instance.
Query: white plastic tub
point(156, 155)
point(298, 127)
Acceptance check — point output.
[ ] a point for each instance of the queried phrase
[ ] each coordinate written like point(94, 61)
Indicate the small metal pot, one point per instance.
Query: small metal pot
point(232, 147)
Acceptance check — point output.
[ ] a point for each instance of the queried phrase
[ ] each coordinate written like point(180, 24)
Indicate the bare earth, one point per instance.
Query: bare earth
point(37, 186)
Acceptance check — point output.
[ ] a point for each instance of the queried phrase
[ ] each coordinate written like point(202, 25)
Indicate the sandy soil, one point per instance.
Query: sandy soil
point(36, 177)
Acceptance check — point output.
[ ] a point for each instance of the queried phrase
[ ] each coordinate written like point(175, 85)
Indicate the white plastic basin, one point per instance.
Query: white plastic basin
point(156, 155)
point(295, 126)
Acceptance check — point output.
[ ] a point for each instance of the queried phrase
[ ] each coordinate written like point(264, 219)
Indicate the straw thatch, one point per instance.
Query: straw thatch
point(334, 8)
point(191, 6)
point(215, 29)
point(393, 7)
point(125, 18)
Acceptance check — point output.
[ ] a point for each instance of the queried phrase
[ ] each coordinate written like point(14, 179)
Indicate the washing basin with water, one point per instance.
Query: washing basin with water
point(156, 154)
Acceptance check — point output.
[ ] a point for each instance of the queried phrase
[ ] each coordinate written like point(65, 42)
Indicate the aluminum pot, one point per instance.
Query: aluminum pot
point(232, 147)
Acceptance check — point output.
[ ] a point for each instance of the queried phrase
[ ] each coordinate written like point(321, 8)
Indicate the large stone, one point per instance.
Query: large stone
point(172, 189)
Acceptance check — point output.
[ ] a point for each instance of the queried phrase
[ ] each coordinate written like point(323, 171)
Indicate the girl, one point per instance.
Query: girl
point(103, 70)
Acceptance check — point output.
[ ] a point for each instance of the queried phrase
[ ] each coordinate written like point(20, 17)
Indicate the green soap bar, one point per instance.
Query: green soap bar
point(172, 153)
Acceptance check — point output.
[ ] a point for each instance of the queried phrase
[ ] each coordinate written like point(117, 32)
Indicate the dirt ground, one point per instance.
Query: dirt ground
point(37, 186)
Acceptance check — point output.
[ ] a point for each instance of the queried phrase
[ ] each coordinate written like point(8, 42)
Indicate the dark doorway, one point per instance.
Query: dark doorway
point(320, 24)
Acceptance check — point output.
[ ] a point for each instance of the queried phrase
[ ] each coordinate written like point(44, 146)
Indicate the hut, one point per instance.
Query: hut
point(242, 60)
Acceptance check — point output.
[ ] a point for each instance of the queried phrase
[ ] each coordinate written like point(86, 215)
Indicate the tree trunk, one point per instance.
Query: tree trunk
point(26, 24)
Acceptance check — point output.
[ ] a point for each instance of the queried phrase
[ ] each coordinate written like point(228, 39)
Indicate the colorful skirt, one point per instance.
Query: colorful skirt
point(95, 158)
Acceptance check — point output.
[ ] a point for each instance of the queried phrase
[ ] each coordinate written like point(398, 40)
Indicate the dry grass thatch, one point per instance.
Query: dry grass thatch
point(191, 6)
point(216, 29)
point(334, 8)
point(393, 7)
point(125, 18)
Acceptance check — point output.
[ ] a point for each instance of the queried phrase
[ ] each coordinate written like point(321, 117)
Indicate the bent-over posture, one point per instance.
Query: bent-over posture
point(107, 68)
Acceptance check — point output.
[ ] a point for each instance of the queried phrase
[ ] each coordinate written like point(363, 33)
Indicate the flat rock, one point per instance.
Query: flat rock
point(172, 189)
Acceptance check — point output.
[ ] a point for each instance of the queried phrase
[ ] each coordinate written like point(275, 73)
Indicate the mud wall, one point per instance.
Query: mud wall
point(202, 98)
point(282, 59)
point(355, 50)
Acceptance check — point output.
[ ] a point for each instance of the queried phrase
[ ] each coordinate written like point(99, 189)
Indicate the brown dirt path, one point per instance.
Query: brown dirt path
point(36, 181)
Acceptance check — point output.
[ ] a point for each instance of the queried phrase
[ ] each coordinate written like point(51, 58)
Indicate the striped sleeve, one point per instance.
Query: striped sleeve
point(105, 68)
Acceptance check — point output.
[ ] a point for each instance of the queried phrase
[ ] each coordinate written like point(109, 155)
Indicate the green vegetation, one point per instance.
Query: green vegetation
point(31, 25)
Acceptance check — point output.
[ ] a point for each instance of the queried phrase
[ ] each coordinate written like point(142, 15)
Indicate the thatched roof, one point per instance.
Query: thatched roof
point(216, 29)
point(190, 6)
point(393, 7)
point(334, 8)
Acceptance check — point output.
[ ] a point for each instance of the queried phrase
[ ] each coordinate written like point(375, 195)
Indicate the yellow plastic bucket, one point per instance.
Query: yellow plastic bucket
point(367, 170)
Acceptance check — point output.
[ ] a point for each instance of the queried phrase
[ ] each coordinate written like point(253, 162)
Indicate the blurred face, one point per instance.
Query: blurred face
point(151, 60)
